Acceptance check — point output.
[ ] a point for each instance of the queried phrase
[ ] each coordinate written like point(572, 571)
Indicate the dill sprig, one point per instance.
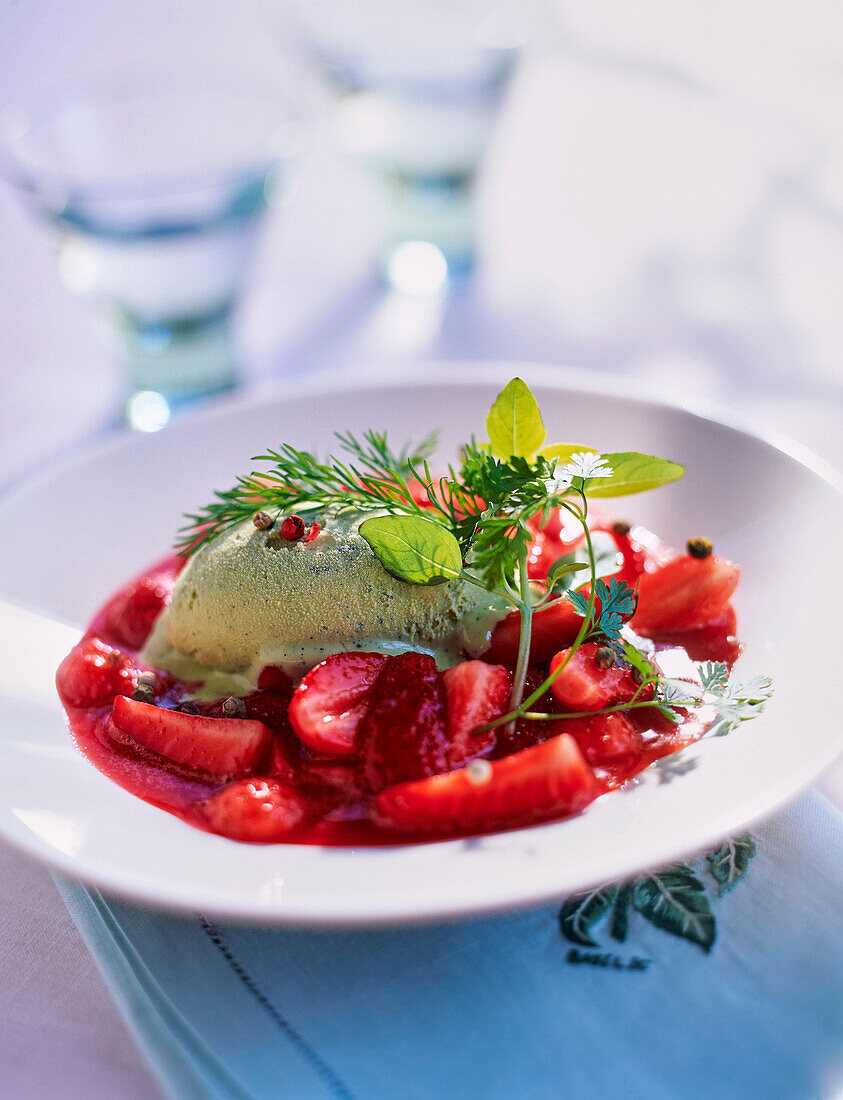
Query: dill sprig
point(373, 478)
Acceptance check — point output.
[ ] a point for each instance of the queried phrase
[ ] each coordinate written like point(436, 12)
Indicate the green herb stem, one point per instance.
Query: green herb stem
point(517, 708)
point(526, 608)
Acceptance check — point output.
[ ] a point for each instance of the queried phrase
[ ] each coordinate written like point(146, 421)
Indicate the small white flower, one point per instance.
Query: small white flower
point(558, 484)
point(584, 464)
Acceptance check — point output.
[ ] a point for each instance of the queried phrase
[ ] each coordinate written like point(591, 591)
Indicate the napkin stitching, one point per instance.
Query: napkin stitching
point(318, 1063)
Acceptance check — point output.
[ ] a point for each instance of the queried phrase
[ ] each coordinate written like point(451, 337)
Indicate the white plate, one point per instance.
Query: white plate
point(72, 535)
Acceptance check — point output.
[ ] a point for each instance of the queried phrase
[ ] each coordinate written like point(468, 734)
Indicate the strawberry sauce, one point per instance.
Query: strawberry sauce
point(377, 750)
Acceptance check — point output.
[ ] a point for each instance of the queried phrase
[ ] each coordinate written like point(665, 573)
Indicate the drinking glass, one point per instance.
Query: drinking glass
point(157, 199)
point(418, 86)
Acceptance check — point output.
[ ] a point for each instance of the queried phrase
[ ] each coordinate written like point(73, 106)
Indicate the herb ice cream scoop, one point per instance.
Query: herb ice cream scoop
point(253, 597)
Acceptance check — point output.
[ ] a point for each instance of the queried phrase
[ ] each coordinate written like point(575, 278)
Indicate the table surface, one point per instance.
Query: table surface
point(737, 307)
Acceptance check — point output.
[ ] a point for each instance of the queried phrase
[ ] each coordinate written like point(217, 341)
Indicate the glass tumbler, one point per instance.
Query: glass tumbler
point(418, 87)
point(157, 198)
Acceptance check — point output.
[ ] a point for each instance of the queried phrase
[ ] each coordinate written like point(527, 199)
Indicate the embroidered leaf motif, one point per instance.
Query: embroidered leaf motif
point(620, 915)
point(675, 900)
point(416, 550)
point(514, 422)
point(729, 863)
point(581, 911)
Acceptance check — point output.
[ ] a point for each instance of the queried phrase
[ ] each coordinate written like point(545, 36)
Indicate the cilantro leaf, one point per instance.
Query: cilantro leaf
point(617, 603)
point(579, 601)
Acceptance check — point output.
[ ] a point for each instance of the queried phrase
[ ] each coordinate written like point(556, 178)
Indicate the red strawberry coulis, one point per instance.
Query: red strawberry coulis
point(368, 749)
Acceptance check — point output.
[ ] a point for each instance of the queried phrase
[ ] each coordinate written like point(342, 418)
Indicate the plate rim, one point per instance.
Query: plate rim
point(481, 374)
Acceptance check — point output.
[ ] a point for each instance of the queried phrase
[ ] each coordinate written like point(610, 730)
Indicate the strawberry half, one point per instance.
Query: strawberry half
point(220, 746)
point(262, 811)
point(584, 685)
point(476, 693)
point(554, 626)
point(93, 673)
point(128, 618)
point(329, 704)
point(403, 734)
point(715, 641)
point(603, 738)
point(684, 594)
point(545, 781)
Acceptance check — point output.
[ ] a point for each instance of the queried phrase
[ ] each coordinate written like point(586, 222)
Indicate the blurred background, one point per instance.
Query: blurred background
point(206, 196)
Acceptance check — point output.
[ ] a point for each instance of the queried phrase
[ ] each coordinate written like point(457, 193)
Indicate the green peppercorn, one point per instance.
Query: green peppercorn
point(605, 657)
point(700, 548)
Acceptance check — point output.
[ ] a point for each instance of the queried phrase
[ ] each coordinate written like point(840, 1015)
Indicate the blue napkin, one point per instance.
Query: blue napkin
point(719, 978)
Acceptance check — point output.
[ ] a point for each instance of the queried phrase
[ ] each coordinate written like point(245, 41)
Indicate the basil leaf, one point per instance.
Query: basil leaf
point(514, 422)
point(416, 550)
point(634, 473)
point(564, 452)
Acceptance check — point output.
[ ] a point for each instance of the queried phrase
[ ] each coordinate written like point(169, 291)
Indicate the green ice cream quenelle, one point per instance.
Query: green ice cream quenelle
point(251, 598)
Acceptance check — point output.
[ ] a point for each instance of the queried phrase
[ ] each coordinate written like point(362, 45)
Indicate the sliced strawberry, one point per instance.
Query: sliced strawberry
point(554, 626)
point(285, 759)
point(128, 618)
point(476, 694)
point(684, 594)
point(527, 731)
point(715, 641)
point(403, 736)
point(338, 777)
point(545, 781)
point(93, 673)
point(220, 746)
point(603, 738)
point(632, 552)
point(584, 685)
point(262, 811)
point(269, 707)
point(330, 702)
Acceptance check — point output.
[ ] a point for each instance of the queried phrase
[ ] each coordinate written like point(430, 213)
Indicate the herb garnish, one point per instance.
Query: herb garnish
point(472, 525)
